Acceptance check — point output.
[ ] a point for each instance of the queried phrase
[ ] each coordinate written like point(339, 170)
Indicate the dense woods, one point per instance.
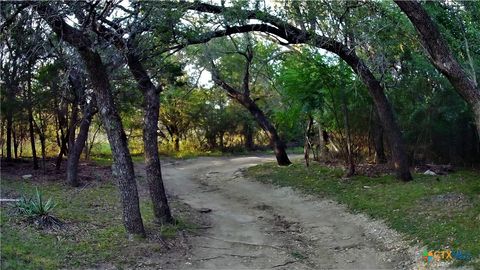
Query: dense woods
point(355, 81)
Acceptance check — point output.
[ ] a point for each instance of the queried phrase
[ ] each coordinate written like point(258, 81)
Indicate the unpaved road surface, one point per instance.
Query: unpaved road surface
point(258, 226)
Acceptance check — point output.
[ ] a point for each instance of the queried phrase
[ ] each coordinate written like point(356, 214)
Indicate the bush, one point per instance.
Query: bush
point(38, 212)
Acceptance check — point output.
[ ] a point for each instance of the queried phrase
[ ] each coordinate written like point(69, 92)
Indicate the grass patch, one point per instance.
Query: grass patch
point(441, 211)
point(105, 159)
point(93, 233)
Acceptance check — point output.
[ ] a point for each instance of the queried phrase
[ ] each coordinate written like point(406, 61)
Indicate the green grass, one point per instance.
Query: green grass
point(406, 207)
point(107, 160)
point(94, 232)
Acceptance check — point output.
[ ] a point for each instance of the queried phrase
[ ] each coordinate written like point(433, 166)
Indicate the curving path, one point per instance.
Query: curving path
point(259, 226)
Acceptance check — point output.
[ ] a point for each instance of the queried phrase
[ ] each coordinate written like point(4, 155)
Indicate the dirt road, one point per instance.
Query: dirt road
point(259, 226)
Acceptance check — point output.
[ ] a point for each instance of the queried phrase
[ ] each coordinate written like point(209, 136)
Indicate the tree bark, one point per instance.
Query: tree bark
point(441, 56)
point(151, 107)
point(277, 144)
point(122, 168)
point(153, 168)
point(246, 101)
point(78, 144)
point(151, 104)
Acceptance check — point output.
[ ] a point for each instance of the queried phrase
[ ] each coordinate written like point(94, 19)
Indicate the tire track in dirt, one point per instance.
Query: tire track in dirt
point(259, 226)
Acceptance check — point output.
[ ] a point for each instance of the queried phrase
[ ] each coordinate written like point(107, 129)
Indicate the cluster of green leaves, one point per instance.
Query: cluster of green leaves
point(35, 206)
point(317, 85)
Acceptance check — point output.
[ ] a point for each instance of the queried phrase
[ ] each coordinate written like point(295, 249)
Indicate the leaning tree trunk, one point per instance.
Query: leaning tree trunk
point(245, 100)
point(264, 123)
point(122, 169)
point(78, 144)
point(385, 113)
point(151, 107)
point(441, 56)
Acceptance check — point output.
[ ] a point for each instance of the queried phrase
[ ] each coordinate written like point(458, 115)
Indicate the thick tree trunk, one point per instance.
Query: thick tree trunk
point(122, 168)
point(441, 56)
point(150, 131)
point(78, 144)
point(264, 123)
point(151, 106)
point(158, 196)
point(245, 100)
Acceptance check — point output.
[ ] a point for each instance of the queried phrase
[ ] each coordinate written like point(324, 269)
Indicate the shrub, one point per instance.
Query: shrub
point(38, 212)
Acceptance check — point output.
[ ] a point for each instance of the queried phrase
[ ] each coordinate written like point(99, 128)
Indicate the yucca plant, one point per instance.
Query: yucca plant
point(37, 211)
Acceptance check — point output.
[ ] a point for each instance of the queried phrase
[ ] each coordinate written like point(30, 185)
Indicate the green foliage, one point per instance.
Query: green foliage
point(35, 206)
point(318, 85)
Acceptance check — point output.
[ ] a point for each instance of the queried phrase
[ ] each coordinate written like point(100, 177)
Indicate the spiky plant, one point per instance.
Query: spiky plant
point(38, 212)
